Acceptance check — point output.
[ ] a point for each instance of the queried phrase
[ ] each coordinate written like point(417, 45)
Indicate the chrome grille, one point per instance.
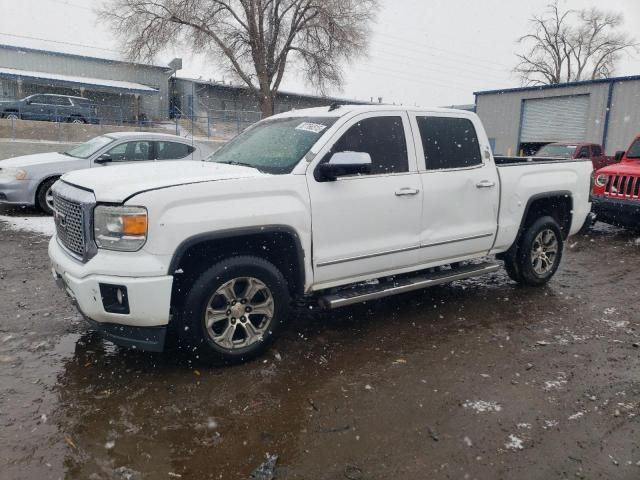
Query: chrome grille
point(69, 218)
point(622, 186)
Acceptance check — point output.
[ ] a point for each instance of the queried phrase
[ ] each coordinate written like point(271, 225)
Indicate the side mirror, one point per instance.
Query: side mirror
point(103, 159)
point(342, 164)
point(619, 155)
point(28, 102)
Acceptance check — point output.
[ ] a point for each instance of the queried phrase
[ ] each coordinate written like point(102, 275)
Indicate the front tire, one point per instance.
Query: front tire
point(536, 256)
point(234, 310)
point(44, 197)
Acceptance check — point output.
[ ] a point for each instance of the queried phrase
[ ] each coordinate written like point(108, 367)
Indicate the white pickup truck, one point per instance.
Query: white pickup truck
point(330, 205)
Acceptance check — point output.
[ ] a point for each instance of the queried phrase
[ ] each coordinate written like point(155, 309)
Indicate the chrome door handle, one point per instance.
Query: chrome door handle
point(407, 191)
point(485, 184)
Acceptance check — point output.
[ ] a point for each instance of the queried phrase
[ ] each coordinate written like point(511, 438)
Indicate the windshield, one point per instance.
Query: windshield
point(564, 151)
point(634, 150)
point(87, 149)
point(274, 146)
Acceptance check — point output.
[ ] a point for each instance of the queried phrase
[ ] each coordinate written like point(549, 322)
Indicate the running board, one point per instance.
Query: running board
point(394, 287)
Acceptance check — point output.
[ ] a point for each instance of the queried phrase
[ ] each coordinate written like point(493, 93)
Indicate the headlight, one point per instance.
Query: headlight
point(601, 180)
point(10, 173)
point(120, 228)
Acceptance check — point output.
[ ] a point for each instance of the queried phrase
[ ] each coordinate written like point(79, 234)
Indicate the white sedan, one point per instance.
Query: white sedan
point(27, 180)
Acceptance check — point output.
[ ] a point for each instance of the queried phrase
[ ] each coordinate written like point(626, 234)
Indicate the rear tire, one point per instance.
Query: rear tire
point(44, 198)
point(234, 310)
point(534, 259)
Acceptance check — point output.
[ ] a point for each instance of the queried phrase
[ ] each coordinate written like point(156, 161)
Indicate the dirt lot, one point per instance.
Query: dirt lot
point(480, 379)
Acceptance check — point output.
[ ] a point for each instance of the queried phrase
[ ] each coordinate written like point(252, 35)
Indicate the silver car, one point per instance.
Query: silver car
point(27, 180)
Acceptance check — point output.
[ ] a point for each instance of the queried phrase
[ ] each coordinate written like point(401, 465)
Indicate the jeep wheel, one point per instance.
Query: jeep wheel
point(234, 310)
point(537, 254)
point(44, 197)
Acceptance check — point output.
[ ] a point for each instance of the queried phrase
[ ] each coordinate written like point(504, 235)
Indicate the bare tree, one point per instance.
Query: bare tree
point(572, 45)
point(256, 40)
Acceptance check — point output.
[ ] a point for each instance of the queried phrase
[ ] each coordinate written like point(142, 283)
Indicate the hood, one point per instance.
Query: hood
point(627, 167)
point(36, 159)
point(116, 183)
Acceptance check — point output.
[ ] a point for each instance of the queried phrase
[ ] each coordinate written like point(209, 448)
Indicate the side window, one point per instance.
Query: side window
point(172, 150)
point(131, 151)
point(449, 142)
point(58, 101)
point(596, 150)
point(38, 99)
point(584, 152)
point(382, 138)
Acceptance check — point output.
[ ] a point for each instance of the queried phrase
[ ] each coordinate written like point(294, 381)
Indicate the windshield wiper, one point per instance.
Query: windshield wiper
point(68, 154)
point(241, 164)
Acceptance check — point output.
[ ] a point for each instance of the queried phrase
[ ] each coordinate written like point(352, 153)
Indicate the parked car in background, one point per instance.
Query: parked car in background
point(52, 108)
point(27, 180)
point(616, 191)
point(334, 206)
point(592, 151)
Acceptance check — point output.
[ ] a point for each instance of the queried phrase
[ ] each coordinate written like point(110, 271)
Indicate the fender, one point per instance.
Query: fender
point(186, 244)
point(539, 196)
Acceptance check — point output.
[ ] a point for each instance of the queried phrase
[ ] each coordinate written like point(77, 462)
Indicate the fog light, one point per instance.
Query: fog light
point(114, 298)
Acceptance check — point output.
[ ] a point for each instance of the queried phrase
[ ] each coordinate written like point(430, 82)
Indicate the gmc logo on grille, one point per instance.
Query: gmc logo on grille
point(60, 219)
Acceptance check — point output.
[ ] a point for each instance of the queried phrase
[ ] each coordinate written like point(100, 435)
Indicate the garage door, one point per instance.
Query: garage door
point(555, 119)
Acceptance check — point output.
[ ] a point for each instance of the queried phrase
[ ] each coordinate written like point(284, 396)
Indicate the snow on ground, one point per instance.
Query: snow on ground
point(40, 225)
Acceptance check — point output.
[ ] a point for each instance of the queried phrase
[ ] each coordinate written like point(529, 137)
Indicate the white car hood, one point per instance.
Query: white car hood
point(36, 159)
point(116, 183)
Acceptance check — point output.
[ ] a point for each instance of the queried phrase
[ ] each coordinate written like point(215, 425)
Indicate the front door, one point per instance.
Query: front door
point(461, 188)
point(367, 224)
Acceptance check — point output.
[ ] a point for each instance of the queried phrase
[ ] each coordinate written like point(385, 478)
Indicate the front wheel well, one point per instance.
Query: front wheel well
point(280, 246)
point(41, 184)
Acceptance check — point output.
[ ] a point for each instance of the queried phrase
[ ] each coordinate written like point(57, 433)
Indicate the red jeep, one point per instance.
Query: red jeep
point(616, 191)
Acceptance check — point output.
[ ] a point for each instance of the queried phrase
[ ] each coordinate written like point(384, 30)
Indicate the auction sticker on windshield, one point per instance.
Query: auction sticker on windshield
point(311, 127)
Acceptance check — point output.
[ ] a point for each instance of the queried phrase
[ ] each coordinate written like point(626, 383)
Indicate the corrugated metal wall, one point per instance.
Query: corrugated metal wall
point(501, 113)
point(624, 121)
point(154, 106)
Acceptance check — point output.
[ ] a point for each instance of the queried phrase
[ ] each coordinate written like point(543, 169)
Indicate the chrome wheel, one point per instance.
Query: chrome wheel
point(77, 121)
point(239, 313)
point(544, 252)
point(48, 198)
point(12, 116)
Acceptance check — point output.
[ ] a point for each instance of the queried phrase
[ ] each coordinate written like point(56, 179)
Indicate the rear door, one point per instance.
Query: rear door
point(367, 224)
point(461, 187)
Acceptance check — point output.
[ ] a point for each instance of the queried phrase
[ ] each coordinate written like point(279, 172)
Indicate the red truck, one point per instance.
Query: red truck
point(616, 190)
point(592, 151)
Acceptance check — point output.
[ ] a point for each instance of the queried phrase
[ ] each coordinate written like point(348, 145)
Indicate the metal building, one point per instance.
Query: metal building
point(521, 120)
point(230, 108)
point(123, 91)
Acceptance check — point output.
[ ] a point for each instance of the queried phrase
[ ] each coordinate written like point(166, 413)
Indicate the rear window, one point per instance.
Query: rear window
point(634, 149)
point(559, 151)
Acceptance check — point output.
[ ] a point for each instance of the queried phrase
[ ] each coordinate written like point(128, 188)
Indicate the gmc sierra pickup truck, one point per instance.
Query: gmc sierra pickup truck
point(332, 205)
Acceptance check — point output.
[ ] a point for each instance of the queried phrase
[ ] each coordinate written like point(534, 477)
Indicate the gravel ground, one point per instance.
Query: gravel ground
point(479, 379)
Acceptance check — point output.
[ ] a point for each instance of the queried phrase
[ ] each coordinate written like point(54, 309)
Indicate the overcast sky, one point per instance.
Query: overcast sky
point(435, 52)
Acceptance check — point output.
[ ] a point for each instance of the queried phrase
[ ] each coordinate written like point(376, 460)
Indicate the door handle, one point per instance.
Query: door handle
point(407, 191)
point(485, 184)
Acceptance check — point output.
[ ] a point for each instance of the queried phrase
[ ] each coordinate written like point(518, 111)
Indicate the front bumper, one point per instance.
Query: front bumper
point(18, 192)
point(617, 211)
point(149, 299)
